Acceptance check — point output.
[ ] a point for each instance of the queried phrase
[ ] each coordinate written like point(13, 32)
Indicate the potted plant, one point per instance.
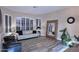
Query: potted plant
point(65, 36)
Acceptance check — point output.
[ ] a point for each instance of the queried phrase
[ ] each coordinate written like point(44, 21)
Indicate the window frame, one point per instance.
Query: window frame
point(27, 21)
point(7, 28)
point(38, 22)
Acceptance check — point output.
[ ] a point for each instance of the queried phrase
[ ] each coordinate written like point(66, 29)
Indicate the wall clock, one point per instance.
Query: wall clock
point(71, 20)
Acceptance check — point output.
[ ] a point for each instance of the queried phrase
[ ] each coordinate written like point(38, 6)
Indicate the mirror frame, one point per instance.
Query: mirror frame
point(56, 28)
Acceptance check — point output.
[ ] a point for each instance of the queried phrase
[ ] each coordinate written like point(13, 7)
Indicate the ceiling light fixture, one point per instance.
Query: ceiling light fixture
point(34, 6)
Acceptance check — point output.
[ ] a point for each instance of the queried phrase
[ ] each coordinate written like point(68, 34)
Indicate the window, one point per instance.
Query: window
point(7, 23)
point(38, 23)
point(10, 23)
point(27, 24)
point(18, 24)
point(31, 24)
point(24, 24)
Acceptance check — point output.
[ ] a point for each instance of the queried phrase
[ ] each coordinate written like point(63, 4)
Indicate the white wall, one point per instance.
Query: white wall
point(62, 16)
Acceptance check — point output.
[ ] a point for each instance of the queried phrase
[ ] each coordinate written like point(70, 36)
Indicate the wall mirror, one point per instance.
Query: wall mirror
point(51, 29)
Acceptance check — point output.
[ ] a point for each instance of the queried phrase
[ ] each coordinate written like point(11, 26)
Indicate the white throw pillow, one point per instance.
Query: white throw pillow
point(7, 34)
point(27, 32)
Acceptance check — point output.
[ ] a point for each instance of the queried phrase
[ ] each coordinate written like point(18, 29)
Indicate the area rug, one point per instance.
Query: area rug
point(40, 44)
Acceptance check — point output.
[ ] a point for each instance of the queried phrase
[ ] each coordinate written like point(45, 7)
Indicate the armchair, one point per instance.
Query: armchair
point(10, 45)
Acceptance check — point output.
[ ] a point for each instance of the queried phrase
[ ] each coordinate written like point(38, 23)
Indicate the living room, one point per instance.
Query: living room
point(42, 14)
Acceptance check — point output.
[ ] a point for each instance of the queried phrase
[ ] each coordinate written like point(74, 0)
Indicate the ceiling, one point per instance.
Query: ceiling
point(35, 10)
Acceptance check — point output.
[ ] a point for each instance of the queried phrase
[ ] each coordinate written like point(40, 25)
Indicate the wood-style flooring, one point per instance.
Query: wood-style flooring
point(43, 44)
point(40, 44)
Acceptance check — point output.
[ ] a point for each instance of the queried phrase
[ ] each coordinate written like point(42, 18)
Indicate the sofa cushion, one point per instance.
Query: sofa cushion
point(27, 36)
point(20, 32)
point(34, 32)
point(27, 32)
